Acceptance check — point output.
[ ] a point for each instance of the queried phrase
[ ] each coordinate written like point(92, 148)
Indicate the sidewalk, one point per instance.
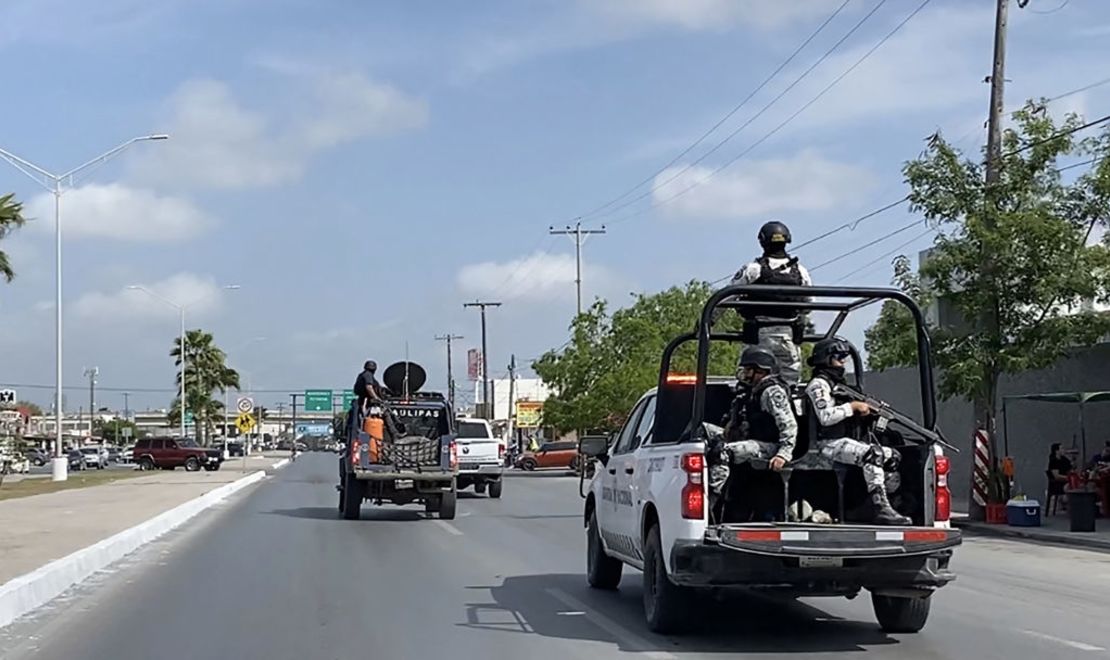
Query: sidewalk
point(38, 529)
point(1053, 529)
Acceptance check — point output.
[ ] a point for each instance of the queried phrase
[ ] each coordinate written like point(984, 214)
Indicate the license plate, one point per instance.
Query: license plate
point(402, 484)
point(468, 466)
point(820, 562)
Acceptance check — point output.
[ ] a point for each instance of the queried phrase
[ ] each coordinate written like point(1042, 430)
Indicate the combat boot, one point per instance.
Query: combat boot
point(884, 513)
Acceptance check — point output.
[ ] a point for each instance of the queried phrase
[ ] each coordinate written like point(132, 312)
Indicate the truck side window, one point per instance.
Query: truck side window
point(624, 440)
point(647, 422)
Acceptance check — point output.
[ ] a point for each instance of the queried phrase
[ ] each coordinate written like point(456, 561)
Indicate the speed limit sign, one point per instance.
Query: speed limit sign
point(244, 404)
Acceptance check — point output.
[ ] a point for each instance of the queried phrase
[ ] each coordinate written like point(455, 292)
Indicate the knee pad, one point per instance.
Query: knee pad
point(893, 460)
point(874, 456)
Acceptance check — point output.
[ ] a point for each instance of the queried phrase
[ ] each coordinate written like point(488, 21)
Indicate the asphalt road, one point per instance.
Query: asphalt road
point(273, 574)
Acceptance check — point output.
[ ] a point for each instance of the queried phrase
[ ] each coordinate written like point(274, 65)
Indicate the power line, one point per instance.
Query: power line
point(789, 119)
point(866, 245)
point(727, 116)
point(1097, 83)
point(578, 233)
point(885, 255)
point(747, 123)
point(1056, 136)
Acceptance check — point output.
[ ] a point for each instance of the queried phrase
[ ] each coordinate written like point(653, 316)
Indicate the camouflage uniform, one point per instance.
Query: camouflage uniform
point(843, 449)
point(772, 427)
point(779, 339)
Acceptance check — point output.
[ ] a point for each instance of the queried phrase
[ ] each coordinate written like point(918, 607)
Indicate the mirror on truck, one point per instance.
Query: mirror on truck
point(594, 446)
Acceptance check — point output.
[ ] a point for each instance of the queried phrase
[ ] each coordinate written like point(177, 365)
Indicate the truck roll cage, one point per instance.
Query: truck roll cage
point(758, 298)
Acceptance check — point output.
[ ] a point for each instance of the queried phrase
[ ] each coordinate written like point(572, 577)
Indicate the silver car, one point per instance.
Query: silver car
point(94, 457)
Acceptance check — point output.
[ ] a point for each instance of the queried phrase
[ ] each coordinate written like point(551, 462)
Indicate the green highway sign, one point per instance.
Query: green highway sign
point(348, 398)
point(317, 400)
point(188, 417)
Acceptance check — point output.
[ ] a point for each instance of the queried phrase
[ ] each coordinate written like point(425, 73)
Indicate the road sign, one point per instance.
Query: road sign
point(348, 398)
point(8, 396)
point(244, 404)
point(125, 431)
point(245, 422)
point(528, 414)
point(188, 417)
point(317, 400)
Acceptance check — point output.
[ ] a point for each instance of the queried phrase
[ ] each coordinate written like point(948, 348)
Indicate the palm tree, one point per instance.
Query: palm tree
point(206, 373)
point(11, 217)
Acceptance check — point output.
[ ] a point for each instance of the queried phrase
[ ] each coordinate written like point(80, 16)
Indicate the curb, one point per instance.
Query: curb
point(1078, 540)
point(280, 464)
point(27, 592)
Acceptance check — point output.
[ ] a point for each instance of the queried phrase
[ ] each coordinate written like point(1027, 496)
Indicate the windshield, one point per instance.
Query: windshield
point(186, 443)
point(90, 450)
point(473, 430)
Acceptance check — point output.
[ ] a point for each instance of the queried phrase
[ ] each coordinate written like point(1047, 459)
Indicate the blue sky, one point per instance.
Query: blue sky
point(360, 169)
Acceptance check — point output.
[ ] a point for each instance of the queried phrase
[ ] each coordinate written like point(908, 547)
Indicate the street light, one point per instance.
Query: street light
point(181, 309)
point(53, 183)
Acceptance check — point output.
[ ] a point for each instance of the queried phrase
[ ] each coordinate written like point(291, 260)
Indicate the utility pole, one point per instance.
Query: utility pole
point(92, 373)
point(578, 233)
point(984, 407)
point(482, 305)
point(450, 374)
point(512, 395)
point(126, 406)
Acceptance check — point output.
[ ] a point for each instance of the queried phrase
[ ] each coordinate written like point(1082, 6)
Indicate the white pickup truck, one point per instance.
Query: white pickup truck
point(481, 457)
point(647, 505)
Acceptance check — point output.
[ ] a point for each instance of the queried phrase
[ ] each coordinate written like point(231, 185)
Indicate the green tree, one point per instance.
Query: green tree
point(892, 340)
point(206, 373)
point(612, 359)
point(11, 217)
point(1034, 230)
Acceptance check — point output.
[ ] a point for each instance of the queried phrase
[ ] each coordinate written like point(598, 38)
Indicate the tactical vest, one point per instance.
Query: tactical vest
point(761, 424)
point(787, 275)
point(843, 428)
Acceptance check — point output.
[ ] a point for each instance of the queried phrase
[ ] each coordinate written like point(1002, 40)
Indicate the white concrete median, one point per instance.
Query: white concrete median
point(32, 590)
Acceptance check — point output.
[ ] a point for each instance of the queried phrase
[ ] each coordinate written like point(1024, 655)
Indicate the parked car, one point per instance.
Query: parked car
point(113, 454)
point(94, 457)
point(36, 457)
point(127, 454)
point(560, 454)
point(170, 453)
point(76, 459)
point(235, 448)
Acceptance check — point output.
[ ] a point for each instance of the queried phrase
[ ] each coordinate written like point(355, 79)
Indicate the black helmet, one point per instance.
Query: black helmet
point(370, 366)
point(825, 350)
point(774, 233)
point(759, 358)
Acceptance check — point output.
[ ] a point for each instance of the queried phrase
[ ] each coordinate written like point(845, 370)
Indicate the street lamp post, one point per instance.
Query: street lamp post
point(181, 345)
point(53, 183)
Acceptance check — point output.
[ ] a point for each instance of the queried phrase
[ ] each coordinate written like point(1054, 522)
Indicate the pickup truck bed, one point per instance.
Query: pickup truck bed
point(808, 559)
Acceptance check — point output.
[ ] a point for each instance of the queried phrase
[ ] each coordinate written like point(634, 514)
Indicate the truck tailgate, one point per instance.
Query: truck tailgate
point(478, 450)
point(811, 540)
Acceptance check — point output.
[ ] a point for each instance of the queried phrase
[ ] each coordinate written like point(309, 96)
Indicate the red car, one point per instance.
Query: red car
point(561, 454)
point(169, 453)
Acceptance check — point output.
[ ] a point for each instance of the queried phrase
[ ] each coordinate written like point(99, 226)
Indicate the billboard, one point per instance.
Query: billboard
point(474, 364)
point(528, 414)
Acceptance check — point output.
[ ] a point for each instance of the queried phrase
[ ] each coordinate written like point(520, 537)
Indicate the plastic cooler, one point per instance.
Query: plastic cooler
point(1023, 513)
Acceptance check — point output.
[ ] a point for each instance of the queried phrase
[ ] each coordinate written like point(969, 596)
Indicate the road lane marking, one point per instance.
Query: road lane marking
point(1066, 642)
point(448, 527)
point(622, 634)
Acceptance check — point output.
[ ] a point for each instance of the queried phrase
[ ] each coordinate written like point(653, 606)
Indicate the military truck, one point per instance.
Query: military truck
point(400, 450)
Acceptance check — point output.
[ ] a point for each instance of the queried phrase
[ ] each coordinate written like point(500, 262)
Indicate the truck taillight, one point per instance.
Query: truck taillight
point(356, 448)
point(693, 493)
point(944, 496)
point(500, 451)
point(454, 455)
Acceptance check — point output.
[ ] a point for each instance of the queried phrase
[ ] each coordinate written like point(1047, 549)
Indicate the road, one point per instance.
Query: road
point(273, 574)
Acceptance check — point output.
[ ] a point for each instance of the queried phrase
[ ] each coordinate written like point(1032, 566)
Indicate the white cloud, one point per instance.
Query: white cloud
point(352, 107)
point(540, 276)
point(709, 14)
point(121, 212)
point(200, 295)
point(218, 143)
point(804, 182)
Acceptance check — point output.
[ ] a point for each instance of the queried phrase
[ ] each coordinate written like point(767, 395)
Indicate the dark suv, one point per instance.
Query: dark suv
point(169, 453)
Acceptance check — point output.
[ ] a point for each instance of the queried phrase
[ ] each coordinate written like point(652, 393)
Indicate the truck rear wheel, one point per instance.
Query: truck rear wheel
point(897, 614)
point(666, 605)
point(495, 489)
point(602, 571)
point(447, 506)
point(352, 498)
point(480, 487)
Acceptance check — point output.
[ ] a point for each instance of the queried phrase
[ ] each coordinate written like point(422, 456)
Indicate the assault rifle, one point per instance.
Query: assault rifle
point(887, 414)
